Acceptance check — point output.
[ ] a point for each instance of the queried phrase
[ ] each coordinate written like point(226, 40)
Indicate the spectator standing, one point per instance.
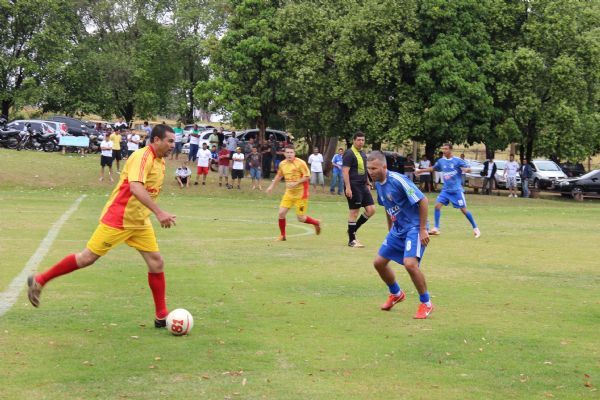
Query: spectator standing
point(437, 176)
point(194, 140)
point(133, 143)
point(148, 129)
point(255, 163)
point(221, 136)
point(213, 139)
point(463, 176)
point(214, 157)
point(425, 177)
point(106, 157)
point(279, 153)
point(247, 151)
point(488, 173)
point(237, 167)
point(267, 159)
point(316, 169)
point(115, 138)
point(182, 175)
point(526, 174)
point(232, 142)
point(121, 124)
point(510, 173)
point(203, 157)
point(336, 174)
point(178, 143)
point(224, 166)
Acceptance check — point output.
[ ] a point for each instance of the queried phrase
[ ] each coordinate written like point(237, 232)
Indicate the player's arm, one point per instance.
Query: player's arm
point(423, 203)
point(140, 193)
point(276, 180)
point(419, 171)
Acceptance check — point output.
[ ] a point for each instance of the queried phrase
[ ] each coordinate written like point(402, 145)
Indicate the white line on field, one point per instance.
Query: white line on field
point(9, 296)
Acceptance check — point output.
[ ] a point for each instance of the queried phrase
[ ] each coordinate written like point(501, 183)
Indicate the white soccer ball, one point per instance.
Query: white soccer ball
point(180, 322)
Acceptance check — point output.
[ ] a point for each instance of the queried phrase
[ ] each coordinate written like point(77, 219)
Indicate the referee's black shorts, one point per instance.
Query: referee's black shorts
point(361, 197)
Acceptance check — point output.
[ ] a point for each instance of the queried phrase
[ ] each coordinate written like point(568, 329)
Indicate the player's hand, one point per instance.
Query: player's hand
point(166, 219)
point(418, 172)
point(269, 189)
point(424, 236)
point(348, 193)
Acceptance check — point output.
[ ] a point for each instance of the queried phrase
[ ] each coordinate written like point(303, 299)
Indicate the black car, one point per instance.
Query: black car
point(75, 127)
point(586, 185)
point(395, 162)
point(572, 170)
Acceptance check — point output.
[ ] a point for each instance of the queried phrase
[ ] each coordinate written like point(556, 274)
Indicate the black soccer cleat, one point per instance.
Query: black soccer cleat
point(160, 323)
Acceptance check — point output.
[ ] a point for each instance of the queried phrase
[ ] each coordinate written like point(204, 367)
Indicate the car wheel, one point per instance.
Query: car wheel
point(536, 184)
point(577, 193)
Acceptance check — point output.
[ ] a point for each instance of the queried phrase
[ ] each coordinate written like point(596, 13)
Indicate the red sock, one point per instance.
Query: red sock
point(311, 221)
point(282, 226)
point(158, 286)
point(64, 266)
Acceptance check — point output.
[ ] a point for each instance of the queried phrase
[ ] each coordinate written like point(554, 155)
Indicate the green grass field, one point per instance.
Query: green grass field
point(517, 311)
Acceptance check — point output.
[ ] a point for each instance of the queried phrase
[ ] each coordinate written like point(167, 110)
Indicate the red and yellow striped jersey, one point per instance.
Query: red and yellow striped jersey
point(293, 171)
point(123, 210)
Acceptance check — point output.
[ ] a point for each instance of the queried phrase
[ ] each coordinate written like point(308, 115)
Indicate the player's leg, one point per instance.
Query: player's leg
point(301, 209)
point(352, 217)
point(198, 173)
point(364, 217)
point(156, 281)
point(411, 264)
point(392, 248)
point(205, 172)
point(284, 207)
point(70, 263)
point(437, 215)
point(469, 216)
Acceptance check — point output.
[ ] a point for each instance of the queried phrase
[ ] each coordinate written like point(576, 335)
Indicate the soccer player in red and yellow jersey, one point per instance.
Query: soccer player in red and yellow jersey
point(125, 218)
point(296, 175)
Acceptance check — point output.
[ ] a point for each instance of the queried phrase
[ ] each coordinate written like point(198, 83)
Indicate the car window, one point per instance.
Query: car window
point(16, 125)
point(546, 166)
point(590, 175)
point(206, 136)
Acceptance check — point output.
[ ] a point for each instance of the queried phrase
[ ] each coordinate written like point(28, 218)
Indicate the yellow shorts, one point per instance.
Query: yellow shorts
point(289, 202)
point(106, 238)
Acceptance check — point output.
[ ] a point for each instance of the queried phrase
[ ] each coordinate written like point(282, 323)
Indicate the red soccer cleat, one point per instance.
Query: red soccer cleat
point(318, 228)
point(281, 238)
point(392, 300)
point(423, 311)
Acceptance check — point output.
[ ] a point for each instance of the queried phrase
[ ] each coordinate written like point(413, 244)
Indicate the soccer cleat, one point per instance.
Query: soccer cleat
point(160, 323)
point(281, 238)
point(356, 244)
point(34, 291)
point(476, 232)
point(318, 228)
point(423, 311)
point(434, 232)
point(392, 300)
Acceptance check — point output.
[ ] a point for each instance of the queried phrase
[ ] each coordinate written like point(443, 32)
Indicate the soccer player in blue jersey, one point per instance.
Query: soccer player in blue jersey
point(451, 168)
point(406, 212)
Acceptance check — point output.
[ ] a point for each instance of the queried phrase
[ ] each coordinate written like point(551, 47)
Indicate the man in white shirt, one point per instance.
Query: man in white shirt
point(510, 173)
point(425, 177)
point(203, 157)
point(316, 169)
point(237, 170)
point(182, 175)
point(133, 143)
point(106, 159)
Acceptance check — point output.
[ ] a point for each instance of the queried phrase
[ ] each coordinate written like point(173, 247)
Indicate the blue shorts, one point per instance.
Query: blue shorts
point(456, 198)
point(254, 173)
point(398, 248)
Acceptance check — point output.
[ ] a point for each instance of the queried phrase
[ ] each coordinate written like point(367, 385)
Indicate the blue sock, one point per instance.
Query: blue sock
point(437, 214)
point(394, 288)
point(424, 297)
point(471, 220)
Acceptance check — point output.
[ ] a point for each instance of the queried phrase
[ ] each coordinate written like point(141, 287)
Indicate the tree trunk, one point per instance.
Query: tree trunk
point(189, 117)
point(261, 124)
point(329, 149)
point(489, 152)
point(430, 148)
point(6, 107)
point(377, 145)
point(128, 112)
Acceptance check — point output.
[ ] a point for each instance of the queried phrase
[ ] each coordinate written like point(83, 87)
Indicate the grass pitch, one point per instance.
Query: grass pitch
point(517, 311)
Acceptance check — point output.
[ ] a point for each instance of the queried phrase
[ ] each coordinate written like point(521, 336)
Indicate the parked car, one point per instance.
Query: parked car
point(280, 136)
point(474, 178)
point(43, 126)
point(545, 173)
point(500, 178)
point(572, 170)
point(204, 135)
point(588, 184)
point(75, 127)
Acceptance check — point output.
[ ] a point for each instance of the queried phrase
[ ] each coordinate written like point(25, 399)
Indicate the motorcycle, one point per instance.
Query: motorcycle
point(9, 138)
point(33, 140)
point(94, 146)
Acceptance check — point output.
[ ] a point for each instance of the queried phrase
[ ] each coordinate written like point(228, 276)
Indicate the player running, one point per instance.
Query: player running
point(451, 168)
point(125, 218)
point(296, 175)
point(406, 213)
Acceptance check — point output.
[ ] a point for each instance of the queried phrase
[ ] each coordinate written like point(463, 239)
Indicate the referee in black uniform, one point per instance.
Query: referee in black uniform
point(357, 187)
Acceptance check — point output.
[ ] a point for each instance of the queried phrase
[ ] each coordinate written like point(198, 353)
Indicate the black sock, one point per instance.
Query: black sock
point(351, 231)
point(361, 220)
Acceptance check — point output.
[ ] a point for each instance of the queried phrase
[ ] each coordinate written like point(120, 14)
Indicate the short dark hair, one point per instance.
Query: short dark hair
point(448, 144)
point(290, 146)
point(160, 131)
point(512, 155)
point(357, 135)
point(145, 122)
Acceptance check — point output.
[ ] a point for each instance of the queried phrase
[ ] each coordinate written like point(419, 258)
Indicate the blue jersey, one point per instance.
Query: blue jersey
point(450, 169)
point(400, 197)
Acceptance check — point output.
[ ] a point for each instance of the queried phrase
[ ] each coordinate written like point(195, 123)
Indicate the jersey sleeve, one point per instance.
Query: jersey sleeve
point(437, 166)
point(304, 170)
point(139, 165)
point(404, 187)
point(462, 163)
point(348, 159)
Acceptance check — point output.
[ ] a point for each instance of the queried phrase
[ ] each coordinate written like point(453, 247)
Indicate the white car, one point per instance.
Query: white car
point(545, 173)
point(204, 135)
point(500, 178)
